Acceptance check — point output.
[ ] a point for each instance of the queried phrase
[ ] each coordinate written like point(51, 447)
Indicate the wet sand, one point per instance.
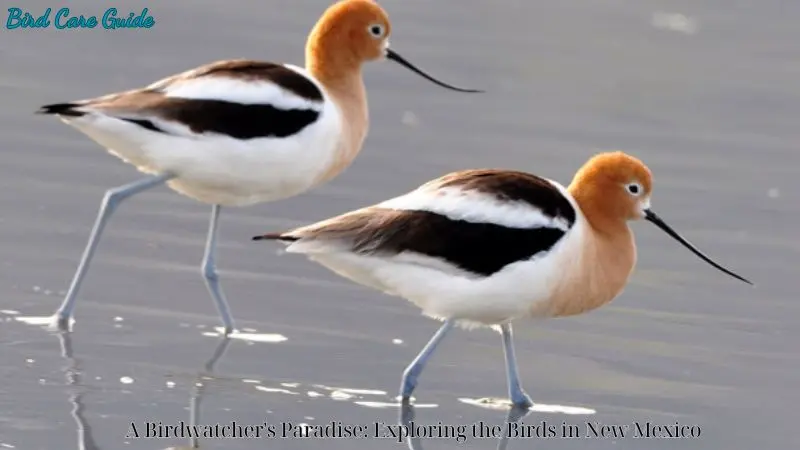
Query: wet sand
point(710, 105)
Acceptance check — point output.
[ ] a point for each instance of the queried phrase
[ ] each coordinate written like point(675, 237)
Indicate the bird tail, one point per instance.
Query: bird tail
point(284, 237)
point(62, 109)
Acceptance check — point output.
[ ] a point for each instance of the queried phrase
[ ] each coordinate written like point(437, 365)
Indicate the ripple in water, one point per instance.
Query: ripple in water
point(394, 405)
point(502, 404)
point(38, 320)
point(276, 390)
point(250, 337)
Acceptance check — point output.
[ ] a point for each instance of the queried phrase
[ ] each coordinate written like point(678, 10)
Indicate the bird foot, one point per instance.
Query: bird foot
point(521, 400)
point(60, 323)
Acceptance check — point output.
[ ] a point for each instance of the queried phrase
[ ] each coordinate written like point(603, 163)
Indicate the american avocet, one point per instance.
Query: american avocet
point(240, 132)
point(486, 247)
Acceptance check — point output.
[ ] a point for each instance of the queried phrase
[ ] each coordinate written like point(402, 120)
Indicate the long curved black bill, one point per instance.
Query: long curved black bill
point(652, 217)
point(391, 54)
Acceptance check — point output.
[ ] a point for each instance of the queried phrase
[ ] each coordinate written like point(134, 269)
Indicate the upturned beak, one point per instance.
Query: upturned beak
point(392, 55)
point(653, 218)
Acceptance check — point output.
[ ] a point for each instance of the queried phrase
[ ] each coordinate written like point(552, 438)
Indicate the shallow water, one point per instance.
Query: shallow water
point(705, 92)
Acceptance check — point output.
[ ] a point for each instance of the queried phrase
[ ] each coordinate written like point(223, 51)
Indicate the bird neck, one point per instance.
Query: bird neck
point(615, 246)
point(340, 74)
point(341, 78)
point(600, 264)
point(328, 62)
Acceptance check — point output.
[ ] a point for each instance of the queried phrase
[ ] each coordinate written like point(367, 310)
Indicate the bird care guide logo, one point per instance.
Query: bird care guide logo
point(65, 19)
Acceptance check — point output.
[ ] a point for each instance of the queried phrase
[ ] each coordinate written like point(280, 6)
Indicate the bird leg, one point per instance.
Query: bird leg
point(112, 199)
point(518, 397)
point(412, 372)
point(210, 272)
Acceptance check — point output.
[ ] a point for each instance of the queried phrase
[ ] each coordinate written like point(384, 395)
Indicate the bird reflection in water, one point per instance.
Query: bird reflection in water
point(73, 375)
point(407, 414)
point(199, 389)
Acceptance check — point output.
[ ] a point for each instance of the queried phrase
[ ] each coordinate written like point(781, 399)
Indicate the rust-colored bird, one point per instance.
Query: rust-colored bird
point(240, 132)
point(486, 247)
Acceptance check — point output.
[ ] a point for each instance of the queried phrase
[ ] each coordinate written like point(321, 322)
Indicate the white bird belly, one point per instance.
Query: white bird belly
point(217, 169)
point(522, 289)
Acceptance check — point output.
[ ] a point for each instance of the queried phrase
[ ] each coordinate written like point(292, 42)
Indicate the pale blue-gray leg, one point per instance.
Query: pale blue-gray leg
point(210, 272)
point(518, 397)
point(412, 372)
point(111, 200)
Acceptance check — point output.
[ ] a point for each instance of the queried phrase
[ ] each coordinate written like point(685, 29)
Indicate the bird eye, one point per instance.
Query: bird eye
point(634, 188)
point(376, 30)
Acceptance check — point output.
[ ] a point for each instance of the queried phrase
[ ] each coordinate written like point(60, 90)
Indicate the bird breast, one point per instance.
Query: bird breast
point(595, 272)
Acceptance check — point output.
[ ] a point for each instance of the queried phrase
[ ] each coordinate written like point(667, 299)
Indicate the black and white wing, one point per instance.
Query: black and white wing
point(240, 99)
point(478, 221)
